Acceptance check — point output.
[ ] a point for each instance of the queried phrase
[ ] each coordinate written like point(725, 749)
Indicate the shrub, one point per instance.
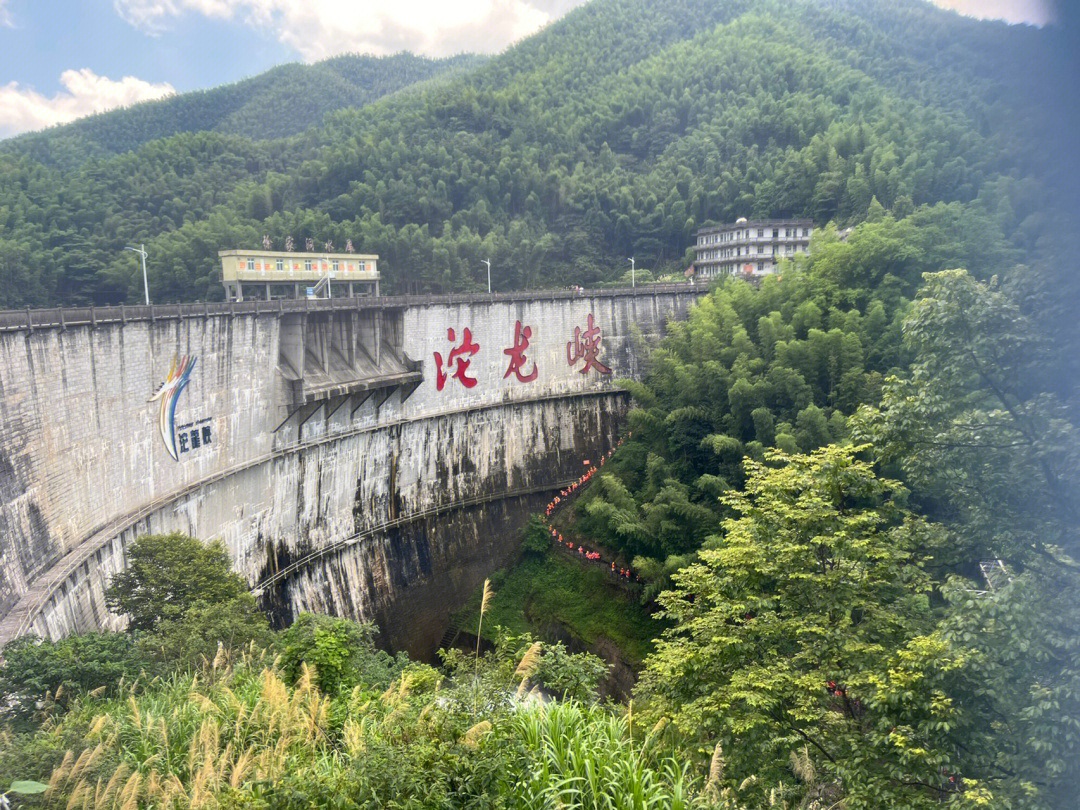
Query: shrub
point(194, 638)
point(342, 652)
point(537, 539)
point(35, 669)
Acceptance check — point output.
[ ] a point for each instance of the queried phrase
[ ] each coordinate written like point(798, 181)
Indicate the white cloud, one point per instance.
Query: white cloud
point(5, 15)
point(318, 29)
point(1036, 12)
point(23, 110)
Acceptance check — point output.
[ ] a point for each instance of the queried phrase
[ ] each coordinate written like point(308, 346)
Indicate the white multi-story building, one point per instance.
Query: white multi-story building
point(752, 247)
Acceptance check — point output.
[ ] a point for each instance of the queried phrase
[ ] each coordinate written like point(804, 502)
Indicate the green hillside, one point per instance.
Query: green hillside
point(617, 131)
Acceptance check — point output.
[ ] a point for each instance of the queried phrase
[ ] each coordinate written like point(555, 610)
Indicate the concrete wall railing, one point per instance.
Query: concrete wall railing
point(64, 317)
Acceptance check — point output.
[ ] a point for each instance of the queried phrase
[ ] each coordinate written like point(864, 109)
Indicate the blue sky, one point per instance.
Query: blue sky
point(49, 36)
point(60, 59)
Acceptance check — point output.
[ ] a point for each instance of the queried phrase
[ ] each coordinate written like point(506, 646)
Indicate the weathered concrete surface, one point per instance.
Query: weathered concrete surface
point(83, 469)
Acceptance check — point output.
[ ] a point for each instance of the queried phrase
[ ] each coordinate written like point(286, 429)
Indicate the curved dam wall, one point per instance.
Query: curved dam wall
point(366, 458)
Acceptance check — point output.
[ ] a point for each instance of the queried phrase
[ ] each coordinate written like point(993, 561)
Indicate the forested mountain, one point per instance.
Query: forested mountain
point(617, 131)
point(283, 101)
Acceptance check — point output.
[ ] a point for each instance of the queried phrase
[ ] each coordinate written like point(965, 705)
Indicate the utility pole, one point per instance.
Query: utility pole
point(633, 277)
point(485, 261)
point(141, 250)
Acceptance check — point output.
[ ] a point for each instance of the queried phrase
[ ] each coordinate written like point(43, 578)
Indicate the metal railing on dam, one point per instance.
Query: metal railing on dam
point(62, 317)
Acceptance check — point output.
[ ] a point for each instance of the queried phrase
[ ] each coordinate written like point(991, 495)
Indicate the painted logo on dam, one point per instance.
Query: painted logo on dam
point(167, 395)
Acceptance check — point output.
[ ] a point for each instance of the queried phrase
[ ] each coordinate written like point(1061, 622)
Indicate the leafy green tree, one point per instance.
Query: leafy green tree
point(993, 693)
point(782, 366)
point(787, 623)
point(989, 444)
point(977, 427)
point(167, 575)
point(537, 540)
point(569, 676)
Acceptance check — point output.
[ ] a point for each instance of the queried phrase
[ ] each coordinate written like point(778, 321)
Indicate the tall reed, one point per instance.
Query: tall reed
point(485, 600)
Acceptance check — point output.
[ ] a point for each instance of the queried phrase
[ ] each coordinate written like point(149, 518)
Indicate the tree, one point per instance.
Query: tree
point(570, 676)
point(976, 426)
point(536, 541)
point(988, 444)
point(993, 694)
point(166, 575)
point(341, 652)
point(789, 621)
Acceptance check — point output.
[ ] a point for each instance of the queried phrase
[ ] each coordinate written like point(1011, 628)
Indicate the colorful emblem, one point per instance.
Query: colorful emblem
point(167, 395)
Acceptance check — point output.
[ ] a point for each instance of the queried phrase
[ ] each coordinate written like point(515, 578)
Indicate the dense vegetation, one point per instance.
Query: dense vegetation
point(782, 366)
point(812, 605)
point(312, 716)
point(814, 608)
point(615, 132)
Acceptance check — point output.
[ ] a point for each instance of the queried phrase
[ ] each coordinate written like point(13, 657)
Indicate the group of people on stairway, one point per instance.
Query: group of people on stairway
point(621, 573)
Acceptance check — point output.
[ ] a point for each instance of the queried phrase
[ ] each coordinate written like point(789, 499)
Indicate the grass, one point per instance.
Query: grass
point(551, 589)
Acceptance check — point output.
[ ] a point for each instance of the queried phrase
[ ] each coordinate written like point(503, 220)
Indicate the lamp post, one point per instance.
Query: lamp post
point(141, 250)
point(485, 261)
point(633, 277)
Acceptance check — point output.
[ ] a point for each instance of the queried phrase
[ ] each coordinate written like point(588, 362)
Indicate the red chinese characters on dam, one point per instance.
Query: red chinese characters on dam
point(518, 360)
point(583, 347)
point(586, 346)
point(461, 356)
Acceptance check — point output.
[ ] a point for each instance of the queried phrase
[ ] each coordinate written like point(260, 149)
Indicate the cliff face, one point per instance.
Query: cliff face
point(389, 507)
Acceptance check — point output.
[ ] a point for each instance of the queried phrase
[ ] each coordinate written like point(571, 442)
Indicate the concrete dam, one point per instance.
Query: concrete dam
point(368, 457)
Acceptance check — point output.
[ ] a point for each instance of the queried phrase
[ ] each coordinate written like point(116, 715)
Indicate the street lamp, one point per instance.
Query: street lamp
point(141, 250)
point(485, 261)
point(633, 278)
